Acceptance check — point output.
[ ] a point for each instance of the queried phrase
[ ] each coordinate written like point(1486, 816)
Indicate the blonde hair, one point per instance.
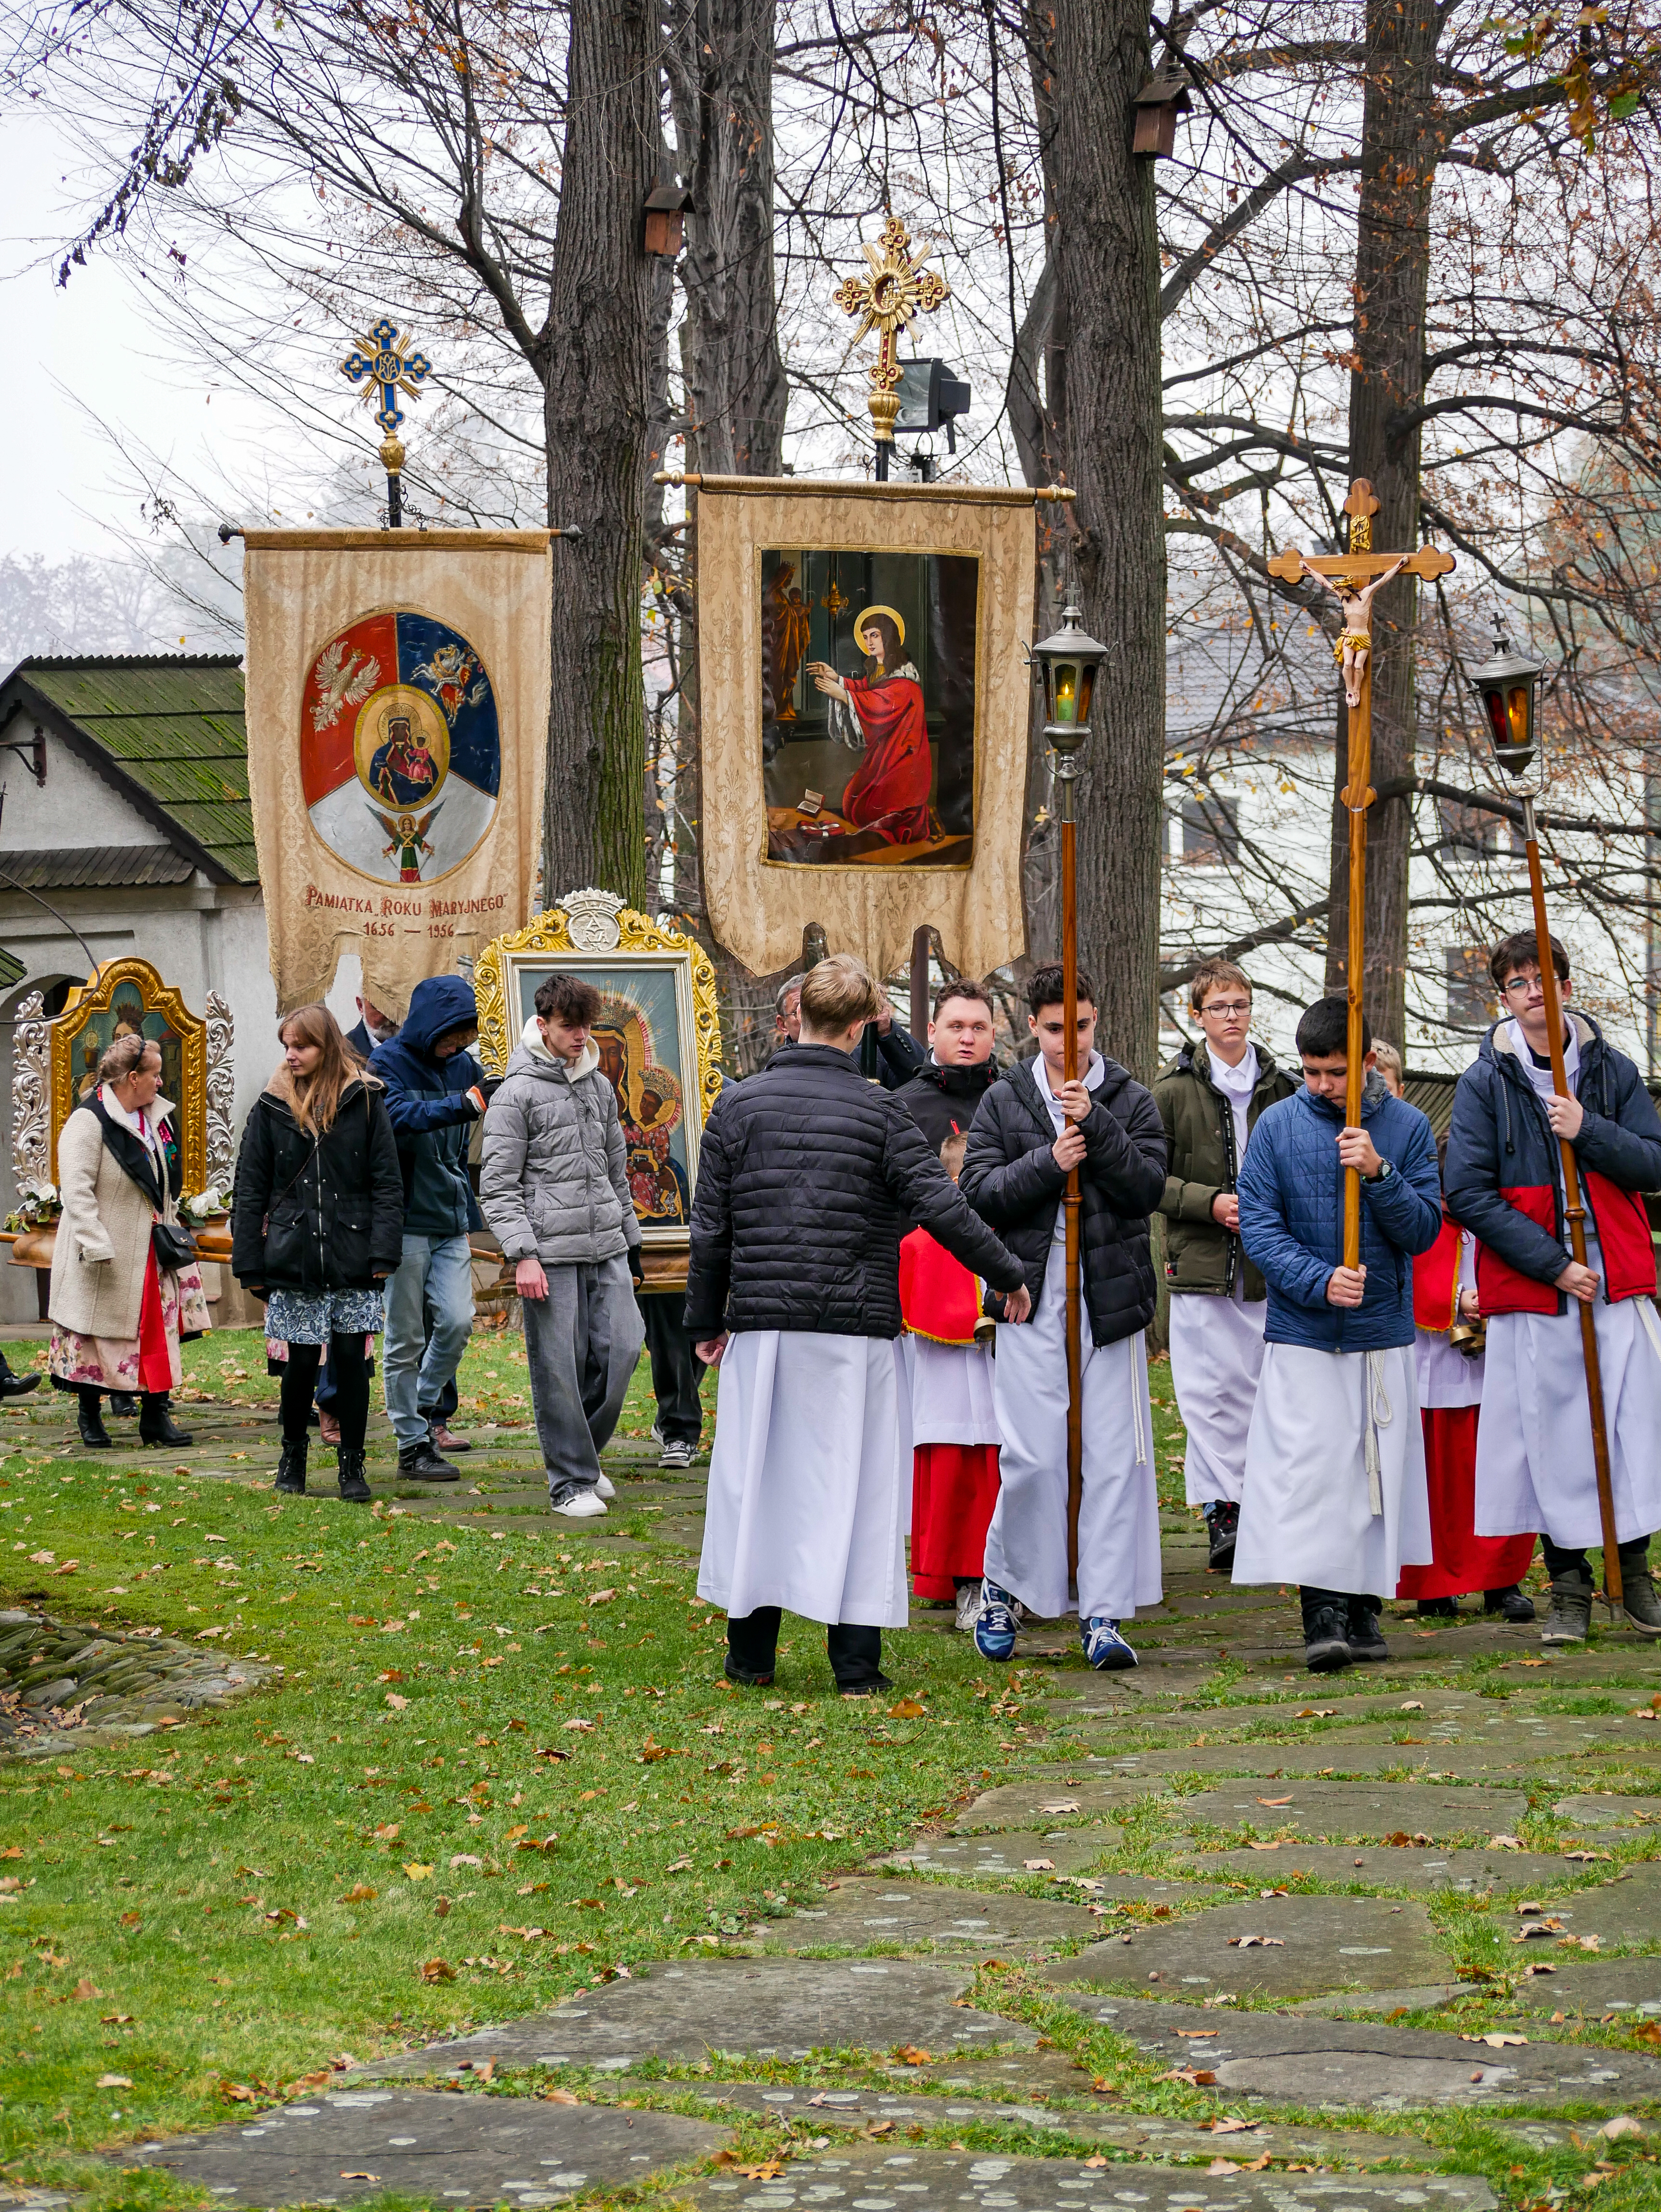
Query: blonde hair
point(1386, 1056)
point(122, 1056)
point(1209, 974)
point(837, 992)
point(316, 1095)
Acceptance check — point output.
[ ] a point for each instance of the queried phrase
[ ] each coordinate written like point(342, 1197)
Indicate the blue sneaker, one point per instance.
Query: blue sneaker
point(995, 1625)
point(1103, 1646)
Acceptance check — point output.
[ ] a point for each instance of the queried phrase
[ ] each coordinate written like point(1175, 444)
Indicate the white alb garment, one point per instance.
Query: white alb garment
point(1446, 1378)
point(1534, 1463)
point(1216, 1357)
point(1330, 1429)
point(809, 1478)
point(950, 1392)
point(1119, 1517)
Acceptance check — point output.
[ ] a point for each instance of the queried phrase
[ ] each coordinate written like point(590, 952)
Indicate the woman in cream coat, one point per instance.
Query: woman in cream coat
point(116, 1314)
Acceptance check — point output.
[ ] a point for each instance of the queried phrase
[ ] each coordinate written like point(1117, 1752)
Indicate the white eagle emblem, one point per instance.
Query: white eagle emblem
point(344, 677)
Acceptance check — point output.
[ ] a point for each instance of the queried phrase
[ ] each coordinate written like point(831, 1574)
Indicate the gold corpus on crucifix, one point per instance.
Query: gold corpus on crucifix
point(897, 288)
point(1356, 577)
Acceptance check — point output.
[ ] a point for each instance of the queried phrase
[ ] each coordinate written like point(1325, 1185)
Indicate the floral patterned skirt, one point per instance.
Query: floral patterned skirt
point(313, 1317)
point(149, 1361)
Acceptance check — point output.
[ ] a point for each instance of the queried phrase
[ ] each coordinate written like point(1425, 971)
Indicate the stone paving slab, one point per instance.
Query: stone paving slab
point(837, 2106)
point(1535, 1873)
point(763, 2008)
point(1346, 2065)
point(1318, 1943)
point(1313, 1805)
point(470, 2150)
point(1601, 1810)
point(876, 2179)
point(1623, 1911)
point(1071, 1850)
point(864, 1913)
point(1594, 1987)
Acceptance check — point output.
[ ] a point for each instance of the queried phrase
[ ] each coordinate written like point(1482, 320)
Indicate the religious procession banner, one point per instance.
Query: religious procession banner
point(397, 709)
point(865, 698)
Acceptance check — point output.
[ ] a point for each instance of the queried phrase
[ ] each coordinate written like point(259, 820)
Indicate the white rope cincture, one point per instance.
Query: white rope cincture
point(1376, 1413)
point(1138, 1393)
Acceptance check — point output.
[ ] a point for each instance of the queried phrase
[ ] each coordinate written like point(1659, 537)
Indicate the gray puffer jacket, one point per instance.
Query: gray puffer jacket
point(552, 1186)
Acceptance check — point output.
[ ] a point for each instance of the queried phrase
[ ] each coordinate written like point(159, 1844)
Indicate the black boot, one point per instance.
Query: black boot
point(157, 1424)
point(1326, 1630)
point(123, 1405)
point(1225, 1525)
point(291, 1467)
point(1367, 1639)
point(1443, 1608)
point(89, 1420)
point(420, 1463)
point(1509, 1603)
point(16, 1386)
point(353, 1488)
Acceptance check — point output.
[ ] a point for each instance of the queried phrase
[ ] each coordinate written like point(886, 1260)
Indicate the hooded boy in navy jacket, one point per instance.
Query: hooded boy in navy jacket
point(1335, 1497)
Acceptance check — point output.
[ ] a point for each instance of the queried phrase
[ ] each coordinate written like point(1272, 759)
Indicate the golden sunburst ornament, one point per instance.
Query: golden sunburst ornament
point(897, 288)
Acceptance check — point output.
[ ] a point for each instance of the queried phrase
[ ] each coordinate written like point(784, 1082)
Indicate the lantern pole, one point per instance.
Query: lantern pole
point(1506, 685)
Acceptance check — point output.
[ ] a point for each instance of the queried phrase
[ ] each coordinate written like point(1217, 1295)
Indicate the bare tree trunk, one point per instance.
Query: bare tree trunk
point(598, 377)
point(1104, 405)
point(1401, 145)
point(719, 63)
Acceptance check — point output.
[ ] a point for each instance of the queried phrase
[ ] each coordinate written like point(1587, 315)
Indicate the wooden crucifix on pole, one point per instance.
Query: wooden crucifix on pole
point(1355, 577)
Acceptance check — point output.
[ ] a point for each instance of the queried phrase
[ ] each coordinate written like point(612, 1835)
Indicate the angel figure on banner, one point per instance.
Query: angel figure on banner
point(888, 793)
point(1350, 648)
point(408, 838)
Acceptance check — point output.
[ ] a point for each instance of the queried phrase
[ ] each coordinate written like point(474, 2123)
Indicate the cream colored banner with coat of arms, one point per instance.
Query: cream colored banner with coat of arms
point(397, 714)
point(866, 699)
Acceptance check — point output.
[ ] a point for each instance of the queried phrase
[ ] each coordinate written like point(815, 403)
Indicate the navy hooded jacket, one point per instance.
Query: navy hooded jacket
point(1290, 1189)
point(431, 1114)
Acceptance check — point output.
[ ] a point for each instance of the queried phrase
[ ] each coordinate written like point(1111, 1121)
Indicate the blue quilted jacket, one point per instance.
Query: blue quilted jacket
point(1292, 1218)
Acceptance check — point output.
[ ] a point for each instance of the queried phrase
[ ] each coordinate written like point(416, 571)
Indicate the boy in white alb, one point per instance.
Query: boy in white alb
point(1534, 1454)
point(1031, 1129)
point(1208, 1097)
point(1335, 1494)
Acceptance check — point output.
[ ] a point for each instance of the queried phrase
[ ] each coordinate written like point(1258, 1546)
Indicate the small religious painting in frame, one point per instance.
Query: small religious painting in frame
point(657, 1034)
point(125, 998)
point(868, 705)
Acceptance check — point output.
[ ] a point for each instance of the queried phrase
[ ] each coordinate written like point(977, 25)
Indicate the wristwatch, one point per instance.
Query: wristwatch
point(1385, 1171)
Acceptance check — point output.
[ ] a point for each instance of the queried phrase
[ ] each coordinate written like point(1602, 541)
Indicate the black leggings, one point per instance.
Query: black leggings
point(1563, 1559)
point(351, 1377)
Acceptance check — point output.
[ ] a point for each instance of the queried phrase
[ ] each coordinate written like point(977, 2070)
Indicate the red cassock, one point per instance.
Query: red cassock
point(889, 791)
point(954, 1487)
point(1461, 1561)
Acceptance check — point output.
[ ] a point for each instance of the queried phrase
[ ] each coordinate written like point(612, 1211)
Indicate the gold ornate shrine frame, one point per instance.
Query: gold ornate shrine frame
point(86, 1011)
point(596, 932)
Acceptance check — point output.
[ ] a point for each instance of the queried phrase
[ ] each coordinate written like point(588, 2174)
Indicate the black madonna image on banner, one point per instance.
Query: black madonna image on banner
point(868, 708)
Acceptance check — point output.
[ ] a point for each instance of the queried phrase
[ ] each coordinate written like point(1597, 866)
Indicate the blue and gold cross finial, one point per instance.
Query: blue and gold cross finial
point(389, 370)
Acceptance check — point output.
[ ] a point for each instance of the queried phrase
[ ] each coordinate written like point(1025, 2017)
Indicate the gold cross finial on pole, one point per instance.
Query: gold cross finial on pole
point(897, 288)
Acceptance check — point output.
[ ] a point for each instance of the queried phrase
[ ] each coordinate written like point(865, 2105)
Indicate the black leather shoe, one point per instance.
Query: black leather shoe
point(872, 1687)
point(1366, 1637)
point(1224, 1526)
point(291, 1468)
point(1510, 1603)
point(1443, 1608)
point(17, 1386)
point(353, 1488)
point(420, 1463)
point(123, 1405)
point(157, 1424)
point(746, 1681)
point(90, 1420)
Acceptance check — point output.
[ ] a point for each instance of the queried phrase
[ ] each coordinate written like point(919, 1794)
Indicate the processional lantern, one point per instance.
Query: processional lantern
point(1506, 685)
point(1067, 663)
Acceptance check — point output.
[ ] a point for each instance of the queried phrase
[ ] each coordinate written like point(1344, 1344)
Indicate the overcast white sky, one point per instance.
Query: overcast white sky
point(89, 344)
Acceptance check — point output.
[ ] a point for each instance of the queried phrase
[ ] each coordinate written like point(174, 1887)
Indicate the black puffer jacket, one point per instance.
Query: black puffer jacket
point(1011, 1179)
point(943, 1100)
point(318, 1213)
point(808, 1177)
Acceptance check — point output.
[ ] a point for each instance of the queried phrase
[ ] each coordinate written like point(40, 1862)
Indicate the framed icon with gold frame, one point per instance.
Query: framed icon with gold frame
point(129, 997)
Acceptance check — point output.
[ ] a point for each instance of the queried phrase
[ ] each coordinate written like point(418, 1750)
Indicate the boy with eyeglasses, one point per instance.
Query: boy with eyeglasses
point(1209, 1097)
point(1533, 1452)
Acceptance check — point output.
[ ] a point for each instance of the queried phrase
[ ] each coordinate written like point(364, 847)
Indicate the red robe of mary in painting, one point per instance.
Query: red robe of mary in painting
point(889, 792)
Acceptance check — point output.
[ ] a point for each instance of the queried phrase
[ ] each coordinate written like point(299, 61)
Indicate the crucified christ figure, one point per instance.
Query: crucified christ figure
point(1354, 641)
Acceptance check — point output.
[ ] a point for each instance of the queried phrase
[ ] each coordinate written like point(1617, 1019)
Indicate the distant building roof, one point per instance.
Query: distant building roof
point(12, 970)
point(95, 866)
point(166, 730)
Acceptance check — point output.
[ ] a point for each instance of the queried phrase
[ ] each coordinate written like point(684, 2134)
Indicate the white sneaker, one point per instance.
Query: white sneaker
point(580, 1505)
point(968, 1607)
point(606, 1487)
point(677, 1452)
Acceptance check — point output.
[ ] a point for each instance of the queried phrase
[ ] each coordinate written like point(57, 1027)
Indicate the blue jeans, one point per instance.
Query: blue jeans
point(433, 1285)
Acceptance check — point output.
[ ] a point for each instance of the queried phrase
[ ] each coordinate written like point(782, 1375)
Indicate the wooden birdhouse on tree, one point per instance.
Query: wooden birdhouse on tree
point(1159, 102)
point(663, 219)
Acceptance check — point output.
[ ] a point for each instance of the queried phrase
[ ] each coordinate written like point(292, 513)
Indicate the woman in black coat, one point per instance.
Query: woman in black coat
point(317, 1228)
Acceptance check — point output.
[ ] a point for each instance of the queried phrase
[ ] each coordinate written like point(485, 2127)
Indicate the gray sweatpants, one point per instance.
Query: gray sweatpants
point(582, 1340)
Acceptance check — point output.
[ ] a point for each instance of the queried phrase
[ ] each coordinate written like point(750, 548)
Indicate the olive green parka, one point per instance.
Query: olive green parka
point(1201, 1256)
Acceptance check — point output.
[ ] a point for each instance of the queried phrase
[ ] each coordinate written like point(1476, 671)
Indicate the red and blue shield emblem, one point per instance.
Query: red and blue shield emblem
point(400, 748)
